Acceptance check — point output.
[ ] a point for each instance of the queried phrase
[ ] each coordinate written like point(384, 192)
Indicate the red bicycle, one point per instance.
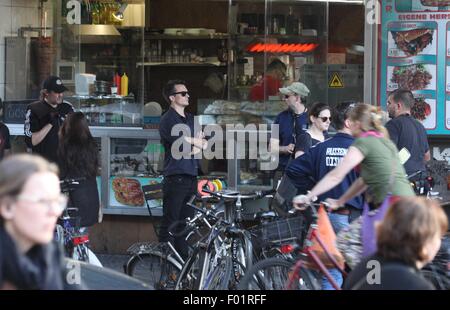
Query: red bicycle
point(301, 266)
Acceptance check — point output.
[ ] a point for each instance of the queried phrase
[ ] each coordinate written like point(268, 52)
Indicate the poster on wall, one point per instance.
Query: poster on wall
point(414, 40)
point(127, 192)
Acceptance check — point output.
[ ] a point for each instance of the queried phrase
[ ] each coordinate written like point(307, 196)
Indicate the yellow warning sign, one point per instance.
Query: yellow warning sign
point(336, 81)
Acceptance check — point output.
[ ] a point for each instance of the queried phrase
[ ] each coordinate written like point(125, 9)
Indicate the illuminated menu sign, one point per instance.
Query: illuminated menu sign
point(414, 54)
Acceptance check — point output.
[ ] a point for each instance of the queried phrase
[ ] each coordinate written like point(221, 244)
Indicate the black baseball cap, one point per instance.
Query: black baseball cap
point(54, 84)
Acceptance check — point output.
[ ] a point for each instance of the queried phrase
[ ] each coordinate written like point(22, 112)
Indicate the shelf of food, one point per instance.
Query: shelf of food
point(216, 36)
point(181, 64)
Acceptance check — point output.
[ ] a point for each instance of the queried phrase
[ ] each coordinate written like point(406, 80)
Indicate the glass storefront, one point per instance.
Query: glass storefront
point(116, 56)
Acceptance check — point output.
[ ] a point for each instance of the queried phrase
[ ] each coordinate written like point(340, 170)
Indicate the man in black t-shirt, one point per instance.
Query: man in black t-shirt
point(44, 117)
point(407, 132)
point(180, 165)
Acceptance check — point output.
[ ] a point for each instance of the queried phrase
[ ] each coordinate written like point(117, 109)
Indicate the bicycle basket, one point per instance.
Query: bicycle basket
point(281, 230)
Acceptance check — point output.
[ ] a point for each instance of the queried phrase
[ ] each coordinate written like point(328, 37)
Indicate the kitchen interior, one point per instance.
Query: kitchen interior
point(119, 56)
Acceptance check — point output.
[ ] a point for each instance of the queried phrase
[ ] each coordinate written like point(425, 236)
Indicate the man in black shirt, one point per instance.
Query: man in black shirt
point(44, 117)
point(407, 132)
point(180, 174)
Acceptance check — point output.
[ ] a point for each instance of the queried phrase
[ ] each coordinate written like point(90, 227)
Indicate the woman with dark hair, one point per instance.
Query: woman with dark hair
point(30, 203)
point(78, 158)
point(319, 121)
point(408, 238)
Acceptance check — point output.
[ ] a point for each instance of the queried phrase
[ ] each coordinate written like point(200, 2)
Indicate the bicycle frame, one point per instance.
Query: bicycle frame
point(307, 251)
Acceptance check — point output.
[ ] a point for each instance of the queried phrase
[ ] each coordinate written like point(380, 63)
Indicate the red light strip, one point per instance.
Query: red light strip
point(282, 48)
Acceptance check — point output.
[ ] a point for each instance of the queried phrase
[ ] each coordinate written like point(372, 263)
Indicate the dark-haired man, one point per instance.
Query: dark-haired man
point(44, 117)
point(407, 132)
point(180, 174)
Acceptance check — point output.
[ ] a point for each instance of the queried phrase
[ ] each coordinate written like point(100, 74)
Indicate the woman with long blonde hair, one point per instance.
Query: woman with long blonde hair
point(382, 180)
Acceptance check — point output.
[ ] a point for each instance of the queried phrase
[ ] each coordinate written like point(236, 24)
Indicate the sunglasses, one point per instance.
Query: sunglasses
point(182, 93)
point(325, 118)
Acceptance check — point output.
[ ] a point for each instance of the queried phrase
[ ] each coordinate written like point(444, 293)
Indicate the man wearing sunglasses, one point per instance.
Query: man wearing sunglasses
point(180, 175)
point(292, 122)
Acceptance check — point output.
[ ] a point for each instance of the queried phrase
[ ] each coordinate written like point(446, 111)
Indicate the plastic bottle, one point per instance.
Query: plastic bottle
point(291, 23)
point(117, 81)
point(124, 85)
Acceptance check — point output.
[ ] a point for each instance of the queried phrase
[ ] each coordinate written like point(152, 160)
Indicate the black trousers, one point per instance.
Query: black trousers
point(177, 190)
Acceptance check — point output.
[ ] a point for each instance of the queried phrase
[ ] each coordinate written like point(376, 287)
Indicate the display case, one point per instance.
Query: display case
point(130, 159)
point(250, 165)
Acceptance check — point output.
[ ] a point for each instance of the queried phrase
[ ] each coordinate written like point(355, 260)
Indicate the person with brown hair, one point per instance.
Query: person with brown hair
point(408, 133)
point(408, 238)
point(78, 157)
point(319, 122)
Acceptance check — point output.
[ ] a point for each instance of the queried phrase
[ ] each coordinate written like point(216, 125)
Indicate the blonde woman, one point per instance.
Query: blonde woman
point(30, 204)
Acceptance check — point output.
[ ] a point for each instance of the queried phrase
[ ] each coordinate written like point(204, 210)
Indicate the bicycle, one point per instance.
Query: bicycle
point(69, 233)
point(221, 258)
point(209, 260)
point(157, 264)
point(242, 253)
point(298, 271)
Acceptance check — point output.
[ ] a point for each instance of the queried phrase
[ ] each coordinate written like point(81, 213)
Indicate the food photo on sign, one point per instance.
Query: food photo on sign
point(424, 110)
point(127, 192)
point(412, 42)
point(412, 77)
point(422, 5)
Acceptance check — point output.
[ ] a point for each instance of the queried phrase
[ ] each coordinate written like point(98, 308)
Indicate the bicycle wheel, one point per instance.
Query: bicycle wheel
point(155, 269)
point(220, 276)
point(273, 274)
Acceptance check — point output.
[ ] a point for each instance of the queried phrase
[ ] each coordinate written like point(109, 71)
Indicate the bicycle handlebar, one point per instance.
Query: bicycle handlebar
point(190, 223)
point(237, 195)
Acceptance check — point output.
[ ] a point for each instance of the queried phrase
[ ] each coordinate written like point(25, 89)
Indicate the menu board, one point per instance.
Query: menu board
point(414, 40)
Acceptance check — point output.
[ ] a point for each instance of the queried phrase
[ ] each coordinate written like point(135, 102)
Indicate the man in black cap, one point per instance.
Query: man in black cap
point(44, 117)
